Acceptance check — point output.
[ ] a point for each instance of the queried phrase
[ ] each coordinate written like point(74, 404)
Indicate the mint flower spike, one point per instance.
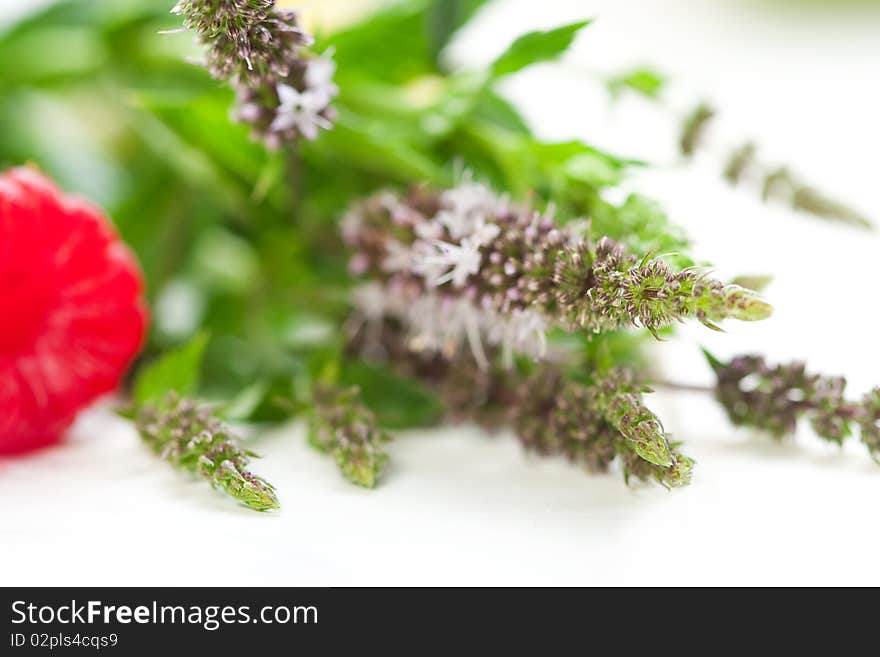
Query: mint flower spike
point(550, 412)
point(190, 437)
point(603, 288)
point(775, 397)
point(676, 475)
point(210, 18)
point(465, 267)
point(343, 426)
point(868, 419)
point(249, 41)
point(621, 403)
point(594, 423)
point(283, 90)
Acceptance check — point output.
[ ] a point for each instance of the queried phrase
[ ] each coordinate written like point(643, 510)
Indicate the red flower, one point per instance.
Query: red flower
point(72, 315)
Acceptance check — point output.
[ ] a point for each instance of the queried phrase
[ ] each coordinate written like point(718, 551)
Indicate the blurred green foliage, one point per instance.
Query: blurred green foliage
point(642, 80)
point(177, 370)
point(93, 94)
point(538, 46)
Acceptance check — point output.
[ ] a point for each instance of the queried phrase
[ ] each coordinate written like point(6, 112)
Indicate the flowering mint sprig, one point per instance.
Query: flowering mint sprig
point(774, 397)
point(467, 265)
point(283, 90)
point(619, 401)
point(189, 436)
point(603, 287)
point(343, 426)
point(593, 423)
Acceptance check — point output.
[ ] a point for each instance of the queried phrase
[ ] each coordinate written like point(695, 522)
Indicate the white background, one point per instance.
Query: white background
point(460, 507)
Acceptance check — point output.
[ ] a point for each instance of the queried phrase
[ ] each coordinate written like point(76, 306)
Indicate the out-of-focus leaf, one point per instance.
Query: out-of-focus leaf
point(615, 349)
point(535, 47)
point(58, 133)
point(389, 45)
point(53, 54)
point(101, 16)
point(189, 160)
point(445, 18)
point(210, 146)
point(392, 101)
point(643, 226)
point(575, 165)
point(382, 149)
point(492, 108)
point(177, 370)
point(592, 169)
point(243, 406)
point(179, 309)
point(644, 81)
point(398, 403)
point(75, 40)
point(501, 149)
point(224, 261)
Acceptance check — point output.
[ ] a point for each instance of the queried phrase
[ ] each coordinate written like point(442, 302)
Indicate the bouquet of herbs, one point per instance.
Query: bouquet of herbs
point(341, 227)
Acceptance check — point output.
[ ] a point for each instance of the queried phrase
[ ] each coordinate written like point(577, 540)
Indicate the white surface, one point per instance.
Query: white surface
point(456, 508)
point(462, 508)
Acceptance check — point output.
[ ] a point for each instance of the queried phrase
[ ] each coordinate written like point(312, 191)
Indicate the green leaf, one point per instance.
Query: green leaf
point(715, 363)
point(244, 404)
point(645, 81)
point(178, 370)
point(573, 165)
point(398, 403)
point(380, 148)
point(226, 262)
point(493, 108)
point(593, 169)
point(389, 45)
point(445, 18)
point(536, 47)
point(643, 226)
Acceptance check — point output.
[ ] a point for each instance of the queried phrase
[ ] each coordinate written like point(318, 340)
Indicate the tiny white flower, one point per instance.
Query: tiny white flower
point(464, 207)
point(524, 332)
point(424, 326)
point(463, 260)
point(473, 321)
point(484, 231)
point(300, 110)
point(319, 75)
point(441, 324)
point(426, 263)
point(398, 257)
point(429, 231)
point(456, 223)
point(530, 333)
point(468, 197)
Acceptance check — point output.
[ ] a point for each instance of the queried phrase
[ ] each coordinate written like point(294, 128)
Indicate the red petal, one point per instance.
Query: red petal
point(72, 315)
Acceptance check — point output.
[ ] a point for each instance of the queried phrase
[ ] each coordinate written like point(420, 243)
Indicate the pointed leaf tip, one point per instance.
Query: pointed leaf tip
point(535, 47)
point(714, 362)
